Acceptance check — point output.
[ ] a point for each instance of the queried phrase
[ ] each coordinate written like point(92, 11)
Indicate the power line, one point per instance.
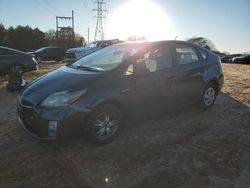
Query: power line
point(86, 5)
point(58, 28)
point(52, 7)
point(45, 7)
point(99, 34)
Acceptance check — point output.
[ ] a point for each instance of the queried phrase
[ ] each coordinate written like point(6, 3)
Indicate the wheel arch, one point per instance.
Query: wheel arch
point(115, 103)
point(216, 84)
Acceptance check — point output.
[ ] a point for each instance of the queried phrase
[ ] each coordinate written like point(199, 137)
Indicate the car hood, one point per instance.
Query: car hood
point(64, 78)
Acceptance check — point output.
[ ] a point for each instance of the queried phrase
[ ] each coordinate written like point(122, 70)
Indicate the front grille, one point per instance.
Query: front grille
point(31, 123)
point(28, 126)
point(26, 103)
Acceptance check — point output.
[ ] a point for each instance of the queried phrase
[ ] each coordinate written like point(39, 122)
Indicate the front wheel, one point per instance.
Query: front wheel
point(103, 125)
point(209, 96)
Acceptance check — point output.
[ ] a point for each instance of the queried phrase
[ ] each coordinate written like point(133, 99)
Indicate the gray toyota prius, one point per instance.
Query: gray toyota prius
point(96, 94)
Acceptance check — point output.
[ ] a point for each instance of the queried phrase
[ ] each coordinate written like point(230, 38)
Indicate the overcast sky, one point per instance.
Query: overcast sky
point(225, 22)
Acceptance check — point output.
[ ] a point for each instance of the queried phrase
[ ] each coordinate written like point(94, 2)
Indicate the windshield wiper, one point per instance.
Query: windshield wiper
point(94, 69)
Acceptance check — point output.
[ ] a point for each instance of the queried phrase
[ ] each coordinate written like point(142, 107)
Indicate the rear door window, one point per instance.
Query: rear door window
point(203, 54)
point(186, 54)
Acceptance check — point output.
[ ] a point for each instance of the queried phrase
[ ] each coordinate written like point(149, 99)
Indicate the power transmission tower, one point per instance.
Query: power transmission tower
point(61, 27)
point(99, 34)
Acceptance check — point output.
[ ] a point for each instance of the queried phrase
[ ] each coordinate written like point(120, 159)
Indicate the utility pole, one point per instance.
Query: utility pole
point(99, 34)
point(88, 35)
point(73, 25)
point(58, 28)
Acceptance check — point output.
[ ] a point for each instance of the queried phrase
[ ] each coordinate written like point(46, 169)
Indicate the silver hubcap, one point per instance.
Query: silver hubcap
point(209, 96)
point(105, 125)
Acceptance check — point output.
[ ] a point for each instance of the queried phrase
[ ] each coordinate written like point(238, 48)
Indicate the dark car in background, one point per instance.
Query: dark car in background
point(74, 54)
point(49, 54)
point(242, 59)
point(11, 59)
point(98, 92)
point(228, 58)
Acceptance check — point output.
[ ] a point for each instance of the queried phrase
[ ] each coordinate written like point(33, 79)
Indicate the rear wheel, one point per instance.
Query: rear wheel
point(209, 96)
point(103, 125)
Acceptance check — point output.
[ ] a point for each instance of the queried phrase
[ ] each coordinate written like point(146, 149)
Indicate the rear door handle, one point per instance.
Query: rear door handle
point(202, 71)
point(171, 77)
point(199, 73)
point(170, 80)
point(125, 90)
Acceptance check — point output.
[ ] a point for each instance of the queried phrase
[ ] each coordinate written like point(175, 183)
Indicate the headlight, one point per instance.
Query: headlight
point(62, 98)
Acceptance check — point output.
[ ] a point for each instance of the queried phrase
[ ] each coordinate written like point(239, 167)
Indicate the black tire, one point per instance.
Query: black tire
point(208, 96)
point(103, 125)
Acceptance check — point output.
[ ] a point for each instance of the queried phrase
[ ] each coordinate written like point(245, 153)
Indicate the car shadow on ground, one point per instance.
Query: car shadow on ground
point(185, 147)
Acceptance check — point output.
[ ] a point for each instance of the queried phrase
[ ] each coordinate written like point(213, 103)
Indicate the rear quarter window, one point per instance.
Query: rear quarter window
point(186, 54)
point(203, 54)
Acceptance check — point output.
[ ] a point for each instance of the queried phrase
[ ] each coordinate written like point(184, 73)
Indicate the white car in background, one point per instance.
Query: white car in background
point(74, 54)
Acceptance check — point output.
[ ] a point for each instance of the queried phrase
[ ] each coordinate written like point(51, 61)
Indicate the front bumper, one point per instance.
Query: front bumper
point(37, 122)
point(30, 131)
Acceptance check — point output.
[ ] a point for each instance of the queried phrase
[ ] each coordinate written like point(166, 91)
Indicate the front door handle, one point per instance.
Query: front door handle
point(128, 89)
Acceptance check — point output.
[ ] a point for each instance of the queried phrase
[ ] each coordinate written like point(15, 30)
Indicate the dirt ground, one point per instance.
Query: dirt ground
point(183, 148)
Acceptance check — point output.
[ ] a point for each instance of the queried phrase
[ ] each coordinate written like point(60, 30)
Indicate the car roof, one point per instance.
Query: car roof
point(51, 47)
point(155, 42)
point(106, 40)
point(148, 43)
point(12, 49)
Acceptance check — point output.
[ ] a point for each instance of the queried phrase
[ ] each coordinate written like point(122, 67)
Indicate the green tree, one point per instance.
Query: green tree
point(204, 42)
point(50, 37)
point(65, 38)
point(25, 38)
point(3, 34)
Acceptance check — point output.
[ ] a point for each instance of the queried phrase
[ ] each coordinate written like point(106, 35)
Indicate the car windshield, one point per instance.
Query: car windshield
point(107, 58)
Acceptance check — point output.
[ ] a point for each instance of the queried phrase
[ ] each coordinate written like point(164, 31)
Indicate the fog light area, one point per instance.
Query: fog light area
point(52, 129)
